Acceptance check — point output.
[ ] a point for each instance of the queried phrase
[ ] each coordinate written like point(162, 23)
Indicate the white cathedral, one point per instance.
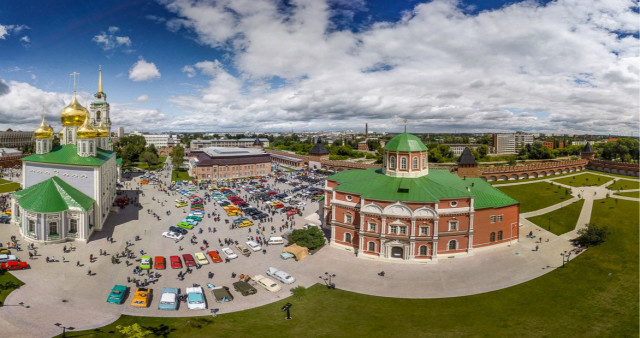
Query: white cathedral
point(68, 190)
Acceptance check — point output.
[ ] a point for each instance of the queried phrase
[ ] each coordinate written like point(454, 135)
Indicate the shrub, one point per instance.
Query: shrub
point(591, 235)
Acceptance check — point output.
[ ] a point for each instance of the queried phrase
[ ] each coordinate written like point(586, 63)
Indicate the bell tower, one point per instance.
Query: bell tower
point(99, 108)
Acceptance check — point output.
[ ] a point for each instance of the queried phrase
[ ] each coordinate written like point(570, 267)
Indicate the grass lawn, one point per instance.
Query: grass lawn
point(3, 181)
point(584, 180)
point(143, 165)
point(536, 196)
point(181, 175)
point(624, 185)
point(635, 194)
point(560, 221)
point(609, 174)
point(9, 187)
point(7, 284)
point(596, 295)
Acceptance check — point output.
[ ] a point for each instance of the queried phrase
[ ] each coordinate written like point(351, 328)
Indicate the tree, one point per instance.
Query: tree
point(483, 151)
point(591, 235)
point(177, 156)
point(152, 148)
point(149, 158)
point(311, 238)
point(133, 331)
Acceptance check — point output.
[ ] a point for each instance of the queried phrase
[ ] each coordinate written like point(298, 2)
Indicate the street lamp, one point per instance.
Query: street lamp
point(562, 254)
point(286, 307)
point(19, 304)
point(64, 328)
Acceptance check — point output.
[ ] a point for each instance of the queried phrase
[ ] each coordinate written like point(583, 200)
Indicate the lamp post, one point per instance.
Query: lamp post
point(327, 280)
point(286, 307)
point(64, 329)
point(562, 254)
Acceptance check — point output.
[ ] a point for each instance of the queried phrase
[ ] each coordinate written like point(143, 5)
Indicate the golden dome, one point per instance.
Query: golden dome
point(86, 130)
point(102, 130)
point(43, 131)
point(74, 114)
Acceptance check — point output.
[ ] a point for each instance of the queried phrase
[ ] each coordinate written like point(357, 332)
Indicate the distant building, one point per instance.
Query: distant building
point(511, 143)
point(243, 142)
point(16, 139)
point(363, 146)
point(225, 162)
point(159, 141)
point(120, 132)
point(318, 153)
point(459, 148)
point(548, 144)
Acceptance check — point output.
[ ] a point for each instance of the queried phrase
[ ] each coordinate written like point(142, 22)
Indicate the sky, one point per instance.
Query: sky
point(564, 66)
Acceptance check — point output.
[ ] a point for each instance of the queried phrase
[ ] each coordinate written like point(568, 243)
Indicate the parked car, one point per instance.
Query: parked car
point(195, 298)
point(286, 255)
point(188, 260)
point(222, 294)
point(215, 257)
point(145, 262)
point(141, 297)
point(280, 275)
point(176, 263)
point(178, 230)
point(175, 236)
point(159, 263)
point(185, 225)
point(267, 283)
point(169, 299)
point(116, 296)
point(254, 246)
point(244, 288)
point(7, 258)
point(5, 251)
point(229, 253)
point(243, 249)
point(201, 258)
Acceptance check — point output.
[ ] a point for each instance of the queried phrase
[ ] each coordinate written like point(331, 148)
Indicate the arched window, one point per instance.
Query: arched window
point(453, 245)
point(414, 166)
point(403, 163)
point(492, 237)
point(392, 162)
point(372, 246)
point(347, 237)
point(500, 235)
point(84, 147)
point(424, 251)
point(73, 225)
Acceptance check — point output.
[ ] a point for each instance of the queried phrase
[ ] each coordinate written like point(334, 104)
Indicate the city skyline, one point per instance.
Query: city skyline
point(567, 67)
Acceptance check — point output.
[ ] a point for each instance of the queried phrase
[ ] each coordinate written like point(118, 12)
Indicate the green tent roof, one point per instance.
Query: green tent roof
point(439, 184)
point(68, 154)
point(405, 142)
point(53, 195)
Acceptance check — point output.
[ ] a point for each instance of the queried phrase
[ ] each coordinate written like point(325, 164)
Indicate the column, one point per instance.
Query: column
point(470, 232)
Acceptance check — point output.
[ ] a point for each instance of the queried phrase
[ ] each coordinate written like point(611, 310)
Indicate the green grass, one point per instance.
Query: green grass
point(536, 196)
point(181, 175)
point(3, 181)
point(143, 165)
point(596, 295)
point(609, 174)
point(584, 180)
point(8, 283)
point(635, 194)
point(562, 220)
point(624, 185)
point(9, 187)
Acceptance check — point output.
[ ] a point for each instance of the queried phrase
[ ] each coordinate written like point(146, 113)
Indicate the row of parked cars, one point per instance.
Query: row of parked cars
point(194, 296)
point(11, 262)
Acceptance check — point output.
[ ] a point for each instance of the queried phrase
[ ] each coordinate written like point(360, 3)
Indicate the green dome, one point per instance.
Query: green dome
point(405, 142)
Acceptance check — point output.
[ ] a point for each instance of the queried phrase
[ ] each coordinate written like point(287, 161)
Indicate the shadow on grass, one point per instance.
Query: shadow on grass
point(161, 330)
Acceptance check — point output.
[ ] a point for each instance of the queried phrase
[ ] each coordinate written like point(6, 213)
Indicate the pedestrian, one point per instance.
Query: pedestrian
point(89, 272)
point(91, 258)
point(536, 248)
point(78, 263)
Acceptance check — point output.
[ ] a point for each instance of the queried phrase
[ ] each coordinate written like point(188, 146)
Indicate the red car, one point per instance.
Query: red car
point(14, 265)
point(188, 260)
point(215, 257)
point(159, 263)
point(175, 262)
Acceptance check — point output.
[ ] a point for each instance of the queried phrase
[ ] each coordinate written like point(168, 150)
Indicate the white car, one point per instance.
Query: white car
point(195, 298)
point(267, 283)
point(175, 236)
point(254, 246)
point(229, 253)
point(280, 275)
point(301, 204)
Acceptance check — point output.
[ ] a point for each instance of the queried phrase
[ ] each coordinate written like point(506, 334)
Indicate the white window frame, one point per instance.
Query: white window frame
point(369, 244)
point(424, 161)
point(348, 218)
point(499, 218)
point(372, 226)
point(423, 232)
point(392, 161)
point(493, 218)
point(453, 225)
point(403, 163)
point(449, 244)
point(393, 229)
point(402, 230)
point(415, 162)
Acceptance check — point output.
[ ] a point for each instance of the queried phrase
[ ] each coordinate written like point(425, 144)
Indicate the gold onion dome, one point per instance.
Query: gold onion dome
point(86, 130)
point(43, 131)
point(74, 114)
point(102, 130)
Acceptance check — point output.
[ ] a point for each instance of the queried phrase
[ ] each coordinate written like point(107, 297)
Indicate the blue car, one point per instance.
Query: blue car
point(169, 299)
point(117, 294)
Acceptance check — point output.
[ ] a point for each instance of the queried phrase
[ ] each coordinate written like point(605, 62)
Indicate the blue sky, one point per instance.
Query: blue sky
point(569, 66)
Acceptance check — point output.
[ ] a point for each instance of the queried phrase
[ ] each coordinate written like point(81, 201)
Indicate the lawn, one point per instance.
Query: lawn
point(7, 284)
point(3, 181)
point(536, 196)
point(9, 187)
point(584, 180)
point(143, 165)
point(624, 185)
point(596, 295)
point(635, 194)
point(560, 221)
point(181, 175)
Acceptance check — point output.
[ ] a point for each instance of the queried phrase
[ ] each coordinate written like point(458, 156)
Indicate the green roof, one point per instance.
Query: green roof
point(53, 195)
point(405, 142)
point(119, 160)
point(68, 154)
point(439, 184)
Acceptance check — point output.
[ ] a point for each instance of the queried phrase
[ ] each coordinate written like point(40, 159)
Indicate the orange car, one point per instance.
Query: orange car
point(215, 257)
point(159, 263)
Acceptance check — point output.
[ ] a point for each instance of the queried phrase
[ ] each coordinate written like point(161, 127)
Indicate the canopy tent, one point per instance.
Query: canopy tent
point(299, 251)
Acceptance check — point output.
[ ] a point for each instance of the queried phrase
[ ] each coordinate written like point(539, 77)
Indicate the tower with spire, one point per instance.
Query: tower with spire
point(100, 109)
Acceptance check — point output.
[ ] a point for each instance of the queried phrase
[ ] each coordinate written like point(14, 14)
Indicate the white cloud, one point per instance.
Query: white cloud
point(108, 41)
point(6, 30)
point(143, 98)
point(25, 39)
point(143, 71)
point(521, 67)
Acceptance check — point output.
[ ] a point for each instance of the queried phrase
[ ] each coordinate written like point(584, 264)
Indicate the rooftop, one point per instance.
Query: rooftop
point(53, 195)
point(405, 142)
point(68, 154)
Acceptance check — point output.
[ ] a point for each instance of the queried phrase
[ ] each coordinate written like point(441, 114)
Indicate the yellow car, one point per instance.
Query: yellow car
point(141, 298)
point(201, 258)
point(181, 204)
point(245, 223)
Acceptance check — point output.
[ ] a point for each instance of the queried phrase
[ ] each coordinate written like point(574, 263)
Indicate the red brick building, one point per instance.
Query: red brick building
point(405, 211)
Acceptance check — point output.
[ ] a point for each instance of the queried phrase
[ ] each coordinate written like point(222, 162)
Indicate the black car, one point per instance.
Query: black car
point(178, 230)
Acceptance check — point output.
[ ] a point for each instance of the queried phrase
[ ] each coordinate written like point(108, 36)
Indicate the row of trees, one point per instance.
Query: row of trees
point(133, 149)
point(623, 150)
